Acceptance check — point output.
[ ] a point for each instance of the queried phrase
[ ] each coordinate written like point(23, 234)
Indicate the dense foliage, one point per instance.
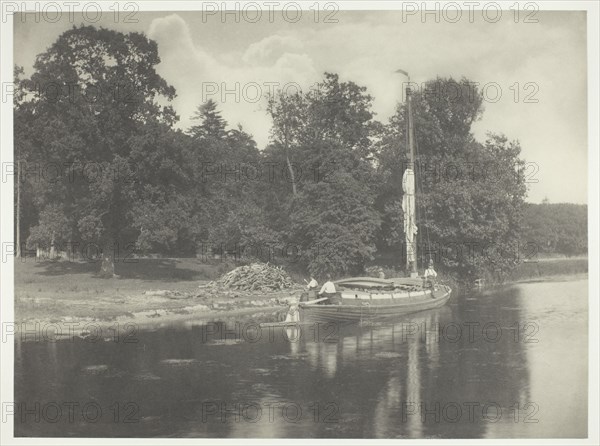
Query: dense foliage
point(556, 228)
point(325, 192)
point(472, 193)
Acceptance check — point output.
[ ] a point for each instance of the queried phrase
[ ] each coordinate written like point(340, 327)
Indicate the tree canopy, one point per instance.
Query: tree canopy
point(555, 228)
point(328, 184)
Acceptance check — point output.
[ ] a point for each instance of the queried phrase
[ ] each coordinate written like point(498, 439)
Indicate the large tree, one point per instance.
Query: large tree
point(226, 207)
point(471, 194)
point(323, 137)
point(333, 221)
point(95, 104)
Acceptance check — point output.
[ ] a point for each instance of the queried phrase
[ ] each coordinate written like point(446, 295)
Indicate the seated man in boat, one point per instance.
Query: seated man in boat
point(311, 290)
point(429, 276)
point(328, 289)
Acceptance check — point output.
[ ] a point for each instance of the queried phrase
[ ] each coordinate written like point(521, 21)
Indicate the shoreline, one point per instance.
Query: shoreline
point(78, 304)
point(121, 319)
point(124, 328)
point(552, 278)
point(125, 325)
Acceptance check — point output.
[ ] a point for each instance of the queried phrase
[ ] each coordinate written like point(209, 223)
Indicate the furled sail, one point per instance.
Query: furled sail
point(408, 206)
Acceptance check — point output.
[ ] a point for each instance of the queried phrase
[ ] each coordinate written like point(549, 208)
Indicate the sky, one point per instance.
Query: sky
point(534, 75)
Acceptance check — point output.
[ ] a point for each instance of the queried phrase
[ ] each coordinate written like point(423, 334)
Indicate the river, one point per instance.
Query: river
point(506, 363)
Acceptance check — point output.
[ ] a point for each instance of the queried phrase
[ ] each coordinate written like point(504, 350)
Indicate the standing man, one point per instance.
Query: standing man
point(429, 276)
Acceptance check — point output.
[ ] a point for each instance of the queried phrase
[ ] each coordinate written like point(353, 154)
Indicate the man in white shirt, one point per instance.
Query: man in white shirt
point(328, 288)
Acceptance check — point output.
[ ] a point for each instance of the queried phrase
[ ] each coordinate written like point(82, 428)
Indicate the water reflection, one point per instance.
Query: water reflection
point(466, 370)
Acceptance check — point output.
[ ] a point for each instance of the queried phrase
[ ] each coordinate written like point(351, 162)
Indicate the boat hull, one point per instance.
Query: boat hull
point(364, 311)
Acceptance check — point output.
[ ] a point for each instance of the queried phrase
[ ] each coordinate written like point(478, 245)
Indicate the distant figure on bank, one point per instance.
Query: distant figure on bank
point(381, 274)
point(328, 289)
point(430, 275)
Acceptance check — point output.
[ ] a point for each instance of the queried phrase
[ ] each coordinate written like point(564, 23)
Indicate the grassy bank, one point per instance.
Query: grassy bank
point(148, 290)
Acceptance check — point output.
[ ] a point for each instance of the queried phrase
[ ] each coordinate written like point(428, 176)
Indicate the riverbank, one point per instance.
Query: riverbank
point(549, 267)
point(543, 269)
point(555, 278)
point(148, 292)
point(154, 292)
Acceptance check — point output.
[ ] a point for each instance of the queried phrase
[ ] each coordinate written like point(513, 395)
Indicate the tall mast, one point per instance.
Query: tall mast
point(408, 187)
point(412, 264)
point(411, 137)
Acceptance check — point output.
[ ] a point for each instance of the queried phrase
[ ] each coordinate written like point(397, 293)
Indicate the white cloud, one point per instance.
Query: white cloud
point(270, 49)
point(238, 87)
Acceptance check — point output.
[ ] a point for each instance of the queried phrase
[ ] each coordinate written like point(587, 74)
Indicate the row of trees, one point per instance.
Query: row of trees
point(556, 228)
point(328, 184)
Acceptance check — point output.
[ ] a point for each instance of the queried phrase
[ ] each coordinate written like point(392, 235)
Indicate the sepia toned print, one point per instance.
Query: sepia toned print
point(293, 220)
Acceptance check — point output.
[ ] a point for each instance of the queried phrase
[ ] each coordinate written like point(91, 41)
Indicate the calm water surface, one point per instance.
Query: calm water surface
point(511, 362)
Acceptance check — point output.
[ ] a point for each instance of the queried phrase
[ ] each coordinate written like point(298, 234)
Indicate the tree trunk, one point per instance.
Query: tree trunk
point(107, 268)
point(289, 164)
point(52, 247)
point(293, 178)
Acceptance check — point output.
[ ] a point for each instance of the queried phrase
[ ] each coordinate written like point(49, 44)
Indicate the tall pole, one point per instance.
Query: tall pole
point(408, 186)
point(411, 137)
point(411, 153)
